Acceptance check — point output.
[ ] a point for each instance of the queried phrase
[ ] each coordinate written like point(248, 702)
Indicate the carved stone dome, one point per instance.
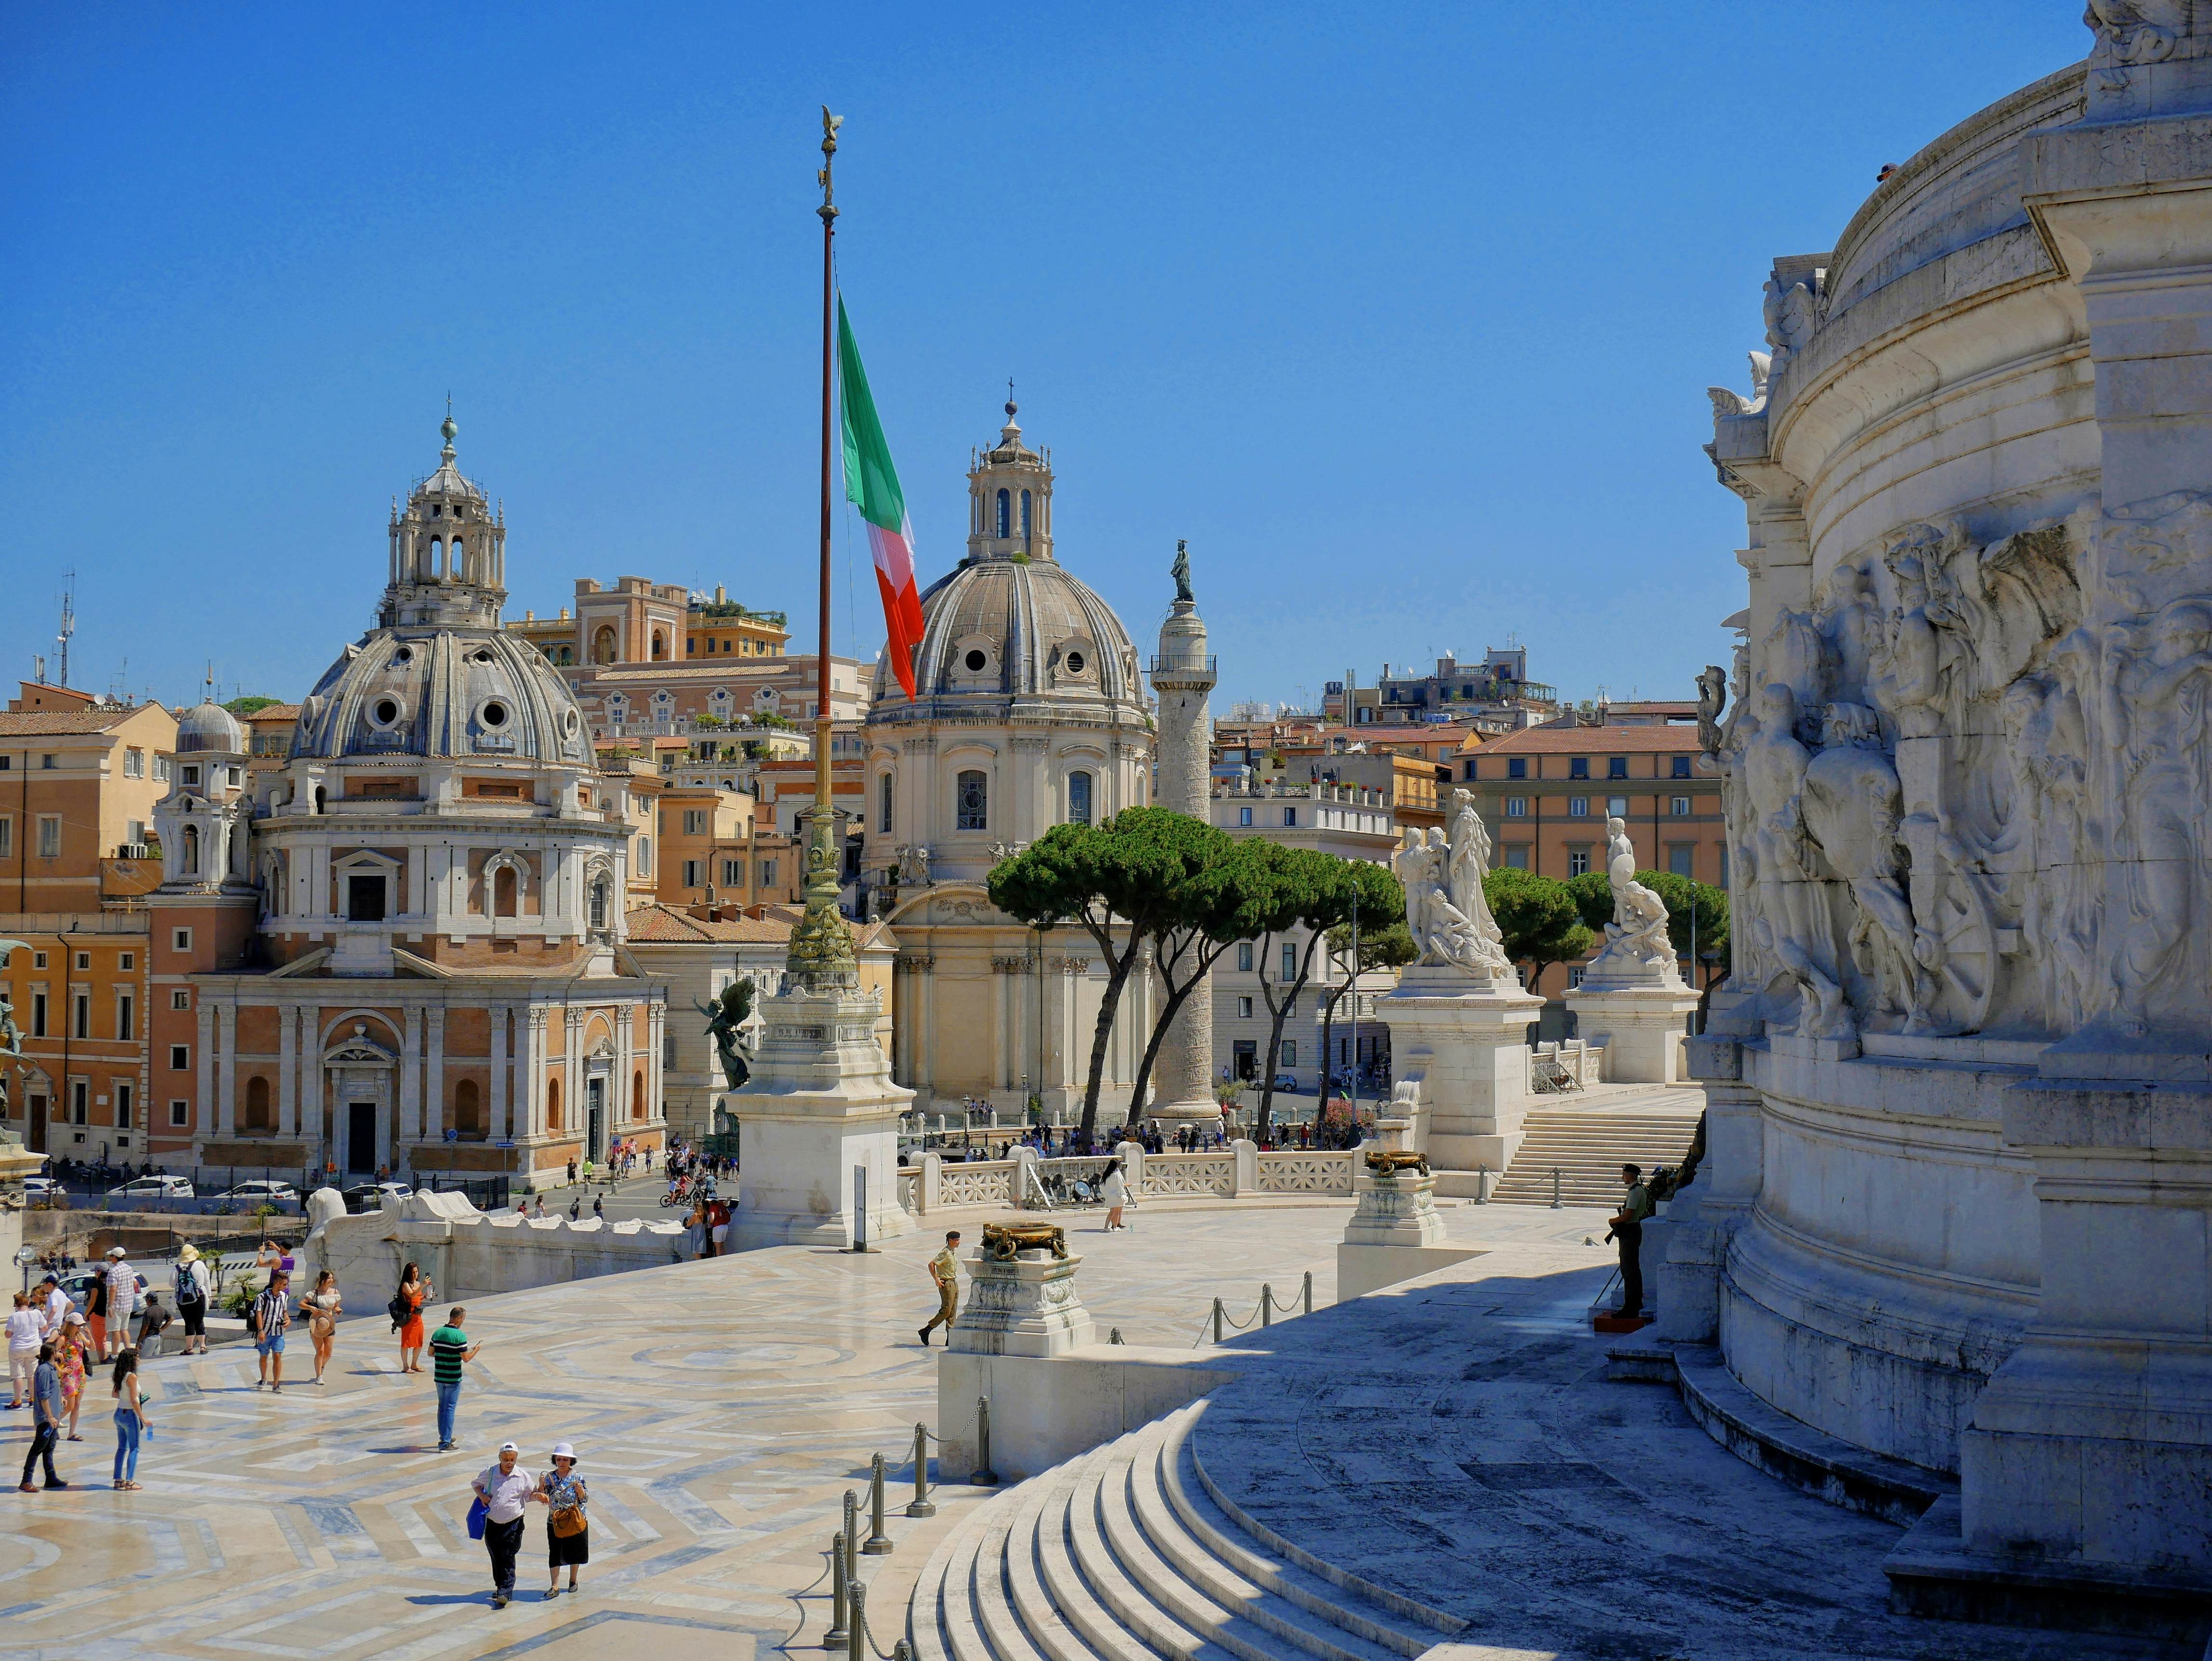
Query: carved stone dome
point(1027, 630)
point(208, 727)
point(442, 693)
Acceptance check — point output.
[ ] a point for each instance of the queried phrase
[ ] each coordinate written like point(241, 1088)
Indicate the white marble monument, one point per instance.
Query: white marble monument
point(1632, 998)
point(1459, 1019)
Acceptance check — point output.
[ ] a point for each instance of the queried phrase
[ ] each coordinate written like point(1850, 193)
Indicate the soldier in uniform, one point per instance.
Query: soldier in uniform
point(944, 1270)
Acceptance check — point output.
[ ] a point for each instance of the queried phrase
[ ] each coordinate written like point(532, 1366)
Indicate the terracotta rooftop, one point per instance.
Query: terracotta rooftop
point(58, 722)
point(275, 712)
point(1595, 741)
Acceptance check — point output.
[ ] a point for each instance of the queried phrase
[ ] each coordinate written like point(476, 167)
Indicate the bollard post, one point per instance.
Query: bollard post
point(1555, 1188)
point(1217, 1320)
point(880, 1544)
point(856, 1626)
point(983, 1476)
point(1308, 1296)
point(1113, 1335)
point(852, 1544)
point(920, 1506)
point(1266, 1304)
point(1482, 1185)
point(835, 1638)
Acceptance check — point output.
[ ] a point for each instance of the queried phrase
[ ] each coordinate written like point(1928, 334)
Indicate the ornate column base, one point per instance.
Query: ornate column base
point(1467, 1041)
point(1396, 1233)
point(1028, 1307)
point(1641, 1027)
point(819, 1104)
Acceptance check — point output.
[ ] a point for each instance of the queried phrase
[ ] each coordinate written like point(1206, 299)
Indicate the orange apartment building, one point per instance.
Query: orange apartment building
point(79, 777)
point(721, 848)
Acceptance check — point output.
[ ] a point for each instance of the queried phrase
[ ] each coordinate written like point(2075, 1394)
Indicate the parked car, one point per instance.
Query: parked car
point(161, 1187)
point(369, 1196)
point(41, 1187)
point(76, 1285)
point(1286, 1081)
point(261, 1190)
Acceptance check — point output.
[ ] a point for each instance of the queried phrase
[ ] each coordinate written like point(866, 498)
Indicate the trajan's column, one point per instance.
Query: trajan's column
point(1182, 676)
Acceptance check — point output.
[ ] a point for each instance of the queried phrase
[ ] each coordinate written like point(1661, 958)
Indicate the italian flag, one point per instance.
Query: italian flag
point(872, 486)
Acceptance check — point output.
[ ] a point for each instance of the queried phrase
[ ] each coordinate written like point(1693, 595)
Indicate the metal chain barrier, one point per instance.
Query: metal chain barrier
point(1220, 1324)
point(848, 1621)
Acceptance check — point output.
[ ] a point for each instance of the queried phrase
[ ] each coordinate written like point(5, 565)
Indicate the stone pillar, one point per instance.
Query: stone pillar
point(1182, 676)
point(288, 1071)
point(1702, 1217)
point(433, 1074)
point(410, 1126)
point(1396, 1233)
point(210, 1124)
point(1641, 1027)
point(819, 1102)
point(1027, 1305)
point(495, 1103)
point(1466, 1042)
point(226, 1078)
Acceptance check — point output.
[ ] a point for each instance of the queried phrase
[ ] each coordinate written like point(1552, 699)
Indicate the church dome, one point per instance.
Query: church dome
point(209, 725)
point(442, 693)
point(1026, 629)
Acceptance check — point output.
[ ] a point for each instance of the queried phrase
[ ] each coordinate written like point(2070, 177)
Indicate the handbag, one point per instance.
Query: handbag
point(568, 1521)
point(478, 1511)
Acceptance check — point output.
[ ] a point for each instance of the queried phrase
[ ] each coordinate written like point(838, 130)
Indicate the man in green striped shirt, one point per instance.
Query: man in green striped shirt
point(449, 1347)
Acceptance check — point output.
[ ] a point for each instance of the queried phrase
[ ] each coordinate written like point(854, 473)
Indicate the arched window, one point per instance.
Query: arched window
point(257, 1107)
point(603, 644)
point(659, 645)
point(1005, 513)
point(1078, 797)
point(321, 797)
point(504, 902)
point(884, 807)
point(972, 792)
point(189, 862)
point(468, 1109)
point(1026, 515)
point(637, 1095)
point(553, 1103)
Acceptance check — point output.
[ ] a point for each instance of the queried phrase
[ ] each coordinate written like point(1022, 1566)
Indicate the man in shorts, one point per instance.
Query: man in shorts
point(272, 1315)
point(944, 1270)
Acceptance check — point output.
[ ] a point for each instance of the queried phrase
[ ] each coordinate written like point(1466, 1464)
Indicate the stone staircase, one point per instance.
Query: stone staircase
point(1588, 1146)
point(1128, 1554)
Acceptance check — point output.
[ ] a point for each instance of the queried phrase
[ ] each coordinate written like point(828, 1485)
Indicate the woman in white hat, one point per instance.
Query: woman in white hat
point(193, 1285)
point(567, 1532)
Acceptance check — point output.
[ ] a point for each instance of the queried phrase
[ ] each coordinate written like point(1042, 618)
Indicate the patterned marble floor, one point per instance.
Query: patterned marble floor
point(721, 1409)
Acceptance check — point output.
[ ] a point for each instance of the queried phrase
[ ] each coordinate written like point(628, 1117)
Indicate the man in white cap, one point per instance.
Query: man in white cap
point(122, 1302)
point(505, 1488)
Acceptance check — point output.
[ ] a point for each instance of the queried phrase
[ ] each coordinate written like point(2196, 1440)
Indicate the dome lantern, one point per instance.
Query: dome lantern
point(448, 552)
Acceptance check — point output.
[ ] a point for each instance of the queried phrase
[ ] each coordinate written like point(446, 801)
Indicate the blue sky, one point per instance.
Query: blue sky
point(1402, 315)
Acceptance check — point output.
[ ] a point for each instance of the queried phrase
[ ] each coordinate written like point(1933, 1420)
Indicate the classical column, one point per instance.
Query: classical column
point(925, 1035)
point(1183, 677)
point(657, 1049)
point(434, 1086)
point(226, 1088)
point(410, 1077)
point(288, 1072)
point(495, 1123)
point(205, 1036)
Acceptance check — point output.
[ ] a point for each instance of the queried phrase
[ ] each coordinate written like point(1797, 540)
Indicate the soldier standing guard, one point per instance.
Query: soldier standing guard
point(944, 1270)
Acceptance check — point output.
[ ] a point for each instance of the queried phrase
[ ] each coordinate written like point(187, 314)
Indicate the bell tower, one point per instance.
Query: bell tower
point(448, 553)
point(1009, 498)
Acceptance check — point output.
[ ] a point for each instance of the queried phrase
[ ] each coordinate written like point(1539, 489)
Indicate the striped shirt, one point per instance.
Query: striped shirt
point(446, 1345)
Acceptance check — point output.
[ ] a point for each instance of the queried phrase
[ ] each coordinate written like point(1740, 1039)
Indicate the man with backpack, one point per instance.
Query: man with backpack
point(192, 1288)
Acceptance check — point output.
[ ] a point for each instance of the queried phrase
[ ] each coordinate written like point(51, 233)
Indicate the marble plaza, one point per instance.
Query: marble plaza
point(1457, 1439)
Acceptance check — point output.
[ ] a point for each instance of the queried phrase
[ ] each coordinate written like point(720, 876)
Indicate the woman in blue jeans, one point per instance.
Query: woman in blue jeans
point(130, 1419)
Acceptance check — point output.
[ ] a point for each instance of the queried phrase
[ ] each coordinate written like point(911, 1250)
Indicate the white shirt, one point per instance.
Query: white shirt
point(506, 1495)
point(121, 1286)
point(1115, 1191)
point(56, 1307)
point(26, 1330)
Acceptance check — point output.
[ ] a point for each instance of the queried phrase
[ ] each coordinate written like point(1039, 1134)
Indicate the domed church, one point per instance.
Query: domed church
point(402, 951)
point(1028, 712)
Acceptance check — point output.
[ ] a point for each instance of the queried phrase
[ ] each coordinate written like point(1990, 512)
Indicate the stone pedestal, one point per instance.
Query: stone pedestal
point(16, 1162)
point(1025, 1307)
point(2091, 1444)
point(1466, 1041)
point(1705, 1215)
point(1641, 1027)
point(1396, 1233)
point(820, 1104)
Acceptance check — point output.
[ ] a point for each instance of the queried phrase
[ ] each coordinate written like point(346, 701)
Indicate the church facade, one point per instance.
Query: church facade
point(1028, 712)
point(403, 951)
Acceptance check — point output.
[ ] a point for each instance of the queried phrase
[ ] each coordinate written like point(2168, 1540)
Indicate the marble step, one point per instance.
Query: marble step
point(1123, 1554)
point(1588, 1148)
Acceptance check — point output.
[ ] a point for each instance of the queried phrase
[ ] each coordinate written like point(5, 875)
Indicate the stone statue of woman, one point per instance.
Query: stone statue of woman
point(1180, 572)
point(1471, 936)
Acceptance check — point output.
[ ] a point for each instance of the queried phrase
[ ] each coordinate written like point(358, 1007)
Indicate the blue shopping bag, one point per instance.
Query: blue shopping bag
point(478, 1511)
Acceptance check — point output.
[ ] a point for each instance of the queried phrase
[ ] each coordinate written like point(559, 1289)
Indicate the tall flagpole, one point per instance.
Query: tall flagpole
point(821, 951)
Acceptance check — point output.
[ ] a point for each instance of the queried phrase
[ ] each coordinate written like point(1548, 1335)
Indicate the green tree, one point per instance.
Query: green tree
point(1144, 871)
point(1210, 915)
point(1390, 947)
point(1300, 890)
point(244, 706)
point(1539, 917)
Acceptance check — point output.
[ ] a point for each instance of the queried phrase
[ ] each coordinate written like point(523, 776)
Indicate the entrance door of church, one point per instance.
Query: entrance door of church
point(361, 1137)
point(595, 1118)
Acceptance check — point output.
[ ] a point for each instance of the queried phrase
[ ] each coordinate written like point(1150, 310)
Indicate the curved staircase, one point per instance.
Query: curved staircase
point(1128, 1554)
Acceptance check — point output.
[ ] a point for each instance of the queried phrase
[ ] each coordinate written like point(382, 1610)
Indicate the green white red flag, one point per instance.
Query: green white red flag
point(872, 486)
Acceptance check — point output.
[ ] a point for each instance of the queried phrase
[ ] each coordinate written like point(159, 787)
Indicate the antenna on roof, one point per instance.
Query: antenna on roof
point(69, 624)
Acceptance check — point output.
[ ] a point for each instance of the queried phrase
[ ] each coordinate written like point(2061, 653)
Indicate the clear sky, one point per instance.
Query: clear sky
point(1402, 315)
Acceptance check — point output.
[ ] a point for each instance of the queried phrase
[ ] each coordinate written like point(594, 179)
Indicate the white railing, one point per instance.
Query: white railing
point(1294, 1171)
point(1236, 1172)
point(974, 1181)
point(1190, 1173)
point(1569, 1065)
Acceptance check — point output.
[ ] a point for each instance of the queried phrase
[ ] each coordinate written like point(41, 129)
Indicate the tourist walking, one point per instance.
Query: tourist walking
point(504, 1487)
point(70, 1353)
point(321, 1308)
point(271, 1319)
point(193, 1295)
point(568, 1530)
point(415, 1291)
point(130, 1419)
point(26, 1333)
point(944, 1270)
point(122, 1300)
point(1113, 1190)
point(1627, 1227)
point(45, 1419)
point(449, 1348)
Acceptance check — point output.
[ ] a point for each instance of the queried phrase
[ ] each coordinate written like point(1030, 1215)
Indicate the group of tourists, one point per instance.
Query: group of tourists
point(505, 1491)
point(54, 1347)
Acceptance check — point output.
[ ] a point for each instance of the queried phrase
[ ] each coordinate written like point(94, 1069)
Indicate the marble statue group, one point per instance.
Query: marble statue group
point(1445, 909)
